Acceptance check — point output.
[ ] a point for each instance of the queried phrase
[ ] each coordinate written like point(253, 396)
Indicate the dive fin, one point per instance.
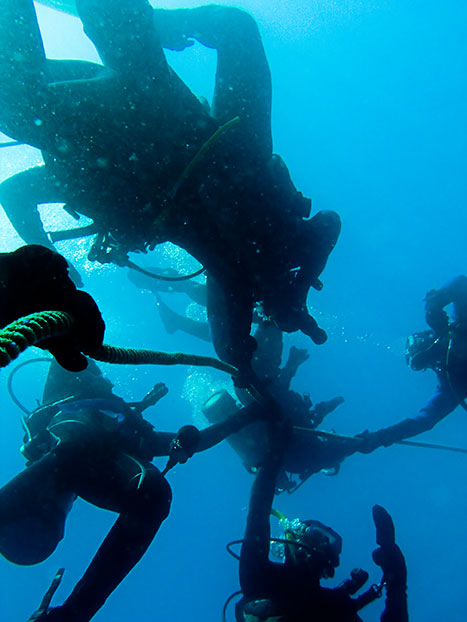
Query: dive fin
point(44, 606)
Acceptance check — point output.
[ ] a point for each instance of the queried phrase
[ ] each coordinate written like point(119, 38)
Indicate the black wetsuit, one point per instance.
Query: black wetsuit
point(71, 443)
point(272, 589)
point(449, 354)
point(306, 453)
point(237, 212)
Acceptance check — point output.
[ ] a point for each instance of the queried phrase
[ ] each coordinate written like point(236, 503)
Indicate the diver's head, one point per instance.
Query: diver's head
point(314, 546)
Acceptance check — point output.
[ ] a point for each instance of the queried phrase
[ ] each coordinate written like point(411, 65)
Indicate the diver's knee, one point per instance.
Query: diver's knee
point(238, 23)
point(10, 191)
point(155, 495)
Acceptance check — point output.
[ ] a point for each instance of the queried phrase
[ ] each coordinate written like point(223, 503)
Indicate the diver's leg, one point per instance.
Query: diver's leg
point(125, 36)
point(21, 50)
point(34, 108)
point(22, 72)
point(142, 497)
point(229, 314)
point(243, 79)
point(21, 194)
point(174, 321)
point(33, 509)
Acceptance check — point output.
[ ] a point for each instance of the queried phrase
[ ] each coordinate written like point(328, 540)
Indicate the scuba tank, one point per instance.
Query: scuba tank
point(219, 406)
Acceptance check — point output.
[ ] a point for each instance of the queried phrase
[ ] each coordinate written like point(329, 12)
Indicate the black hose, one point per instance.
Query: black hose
point(161, 277)
point(227, 603)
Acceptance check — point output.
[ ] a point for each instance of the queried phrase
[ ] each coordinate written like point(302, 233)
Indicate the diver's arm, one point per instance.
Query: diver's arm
point(440, 405)
point(435, 301)
point(216, 433)
point(125, 37)
point(391, 560)
point(20, 195)
point(161, 443)
point(254, 556)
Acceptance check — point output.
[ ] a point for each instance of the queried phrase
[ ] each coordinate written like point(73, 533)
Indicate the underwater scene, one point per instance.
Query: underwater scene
point(277, 190)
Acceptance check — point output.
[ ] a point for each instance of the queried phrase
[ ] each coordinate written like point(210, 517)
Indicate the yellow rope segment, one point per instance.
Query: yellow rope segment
point(32, 329)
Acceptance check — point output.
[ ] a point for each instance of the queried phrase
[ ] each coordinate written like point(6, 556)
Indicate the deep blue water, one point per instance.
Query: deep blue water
point(369, 114)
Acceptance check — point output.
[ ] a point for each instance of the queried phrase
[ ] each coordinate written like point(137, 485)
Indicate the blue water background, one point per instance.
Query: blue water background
point(369, 114)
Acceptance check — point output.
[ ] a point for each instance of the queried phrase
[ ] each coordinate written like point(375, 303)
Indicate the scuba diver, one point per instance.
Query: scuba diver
point(128, 145)
point(68, 441)
point(34, 278)
point(442, 348)
point(291, 591)
point(307, 452)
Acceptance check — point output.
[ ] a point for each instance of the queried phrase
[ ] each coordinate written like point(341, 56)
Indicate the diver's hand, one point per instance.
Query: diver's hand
point(309, 326)
point(388, 556)
point(185, 443)
point(368, 442)
point(183, 446)
point(85, 336)
point(171, 29)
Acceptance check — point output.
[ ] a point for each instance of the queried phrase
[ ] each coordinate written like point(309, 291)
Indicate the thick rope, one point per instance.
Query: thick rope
point(130, 356)
point(27, 331)
point(32, 329)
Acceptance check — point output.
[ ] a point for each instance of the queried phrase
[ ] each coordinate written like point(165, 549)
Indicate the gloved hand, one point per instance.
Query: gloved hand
point(34, 278)
point(183, 446)
point(369, 441)
point(87, 332)
point(171, 27)
point(388, 556)
point(309, 326)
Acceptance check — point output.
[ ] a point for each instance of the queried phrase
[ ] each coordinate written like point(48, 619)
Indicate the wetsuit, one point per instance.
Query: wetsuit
point(70, 443)
point(289, 592)
point(34, 278)
point(238, 213)
point(451, 372)
point(306, 453)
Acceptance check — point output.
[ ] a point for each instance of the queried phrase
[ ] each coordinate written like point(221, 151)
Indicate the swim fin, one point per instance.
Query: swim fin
point(41, 613)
